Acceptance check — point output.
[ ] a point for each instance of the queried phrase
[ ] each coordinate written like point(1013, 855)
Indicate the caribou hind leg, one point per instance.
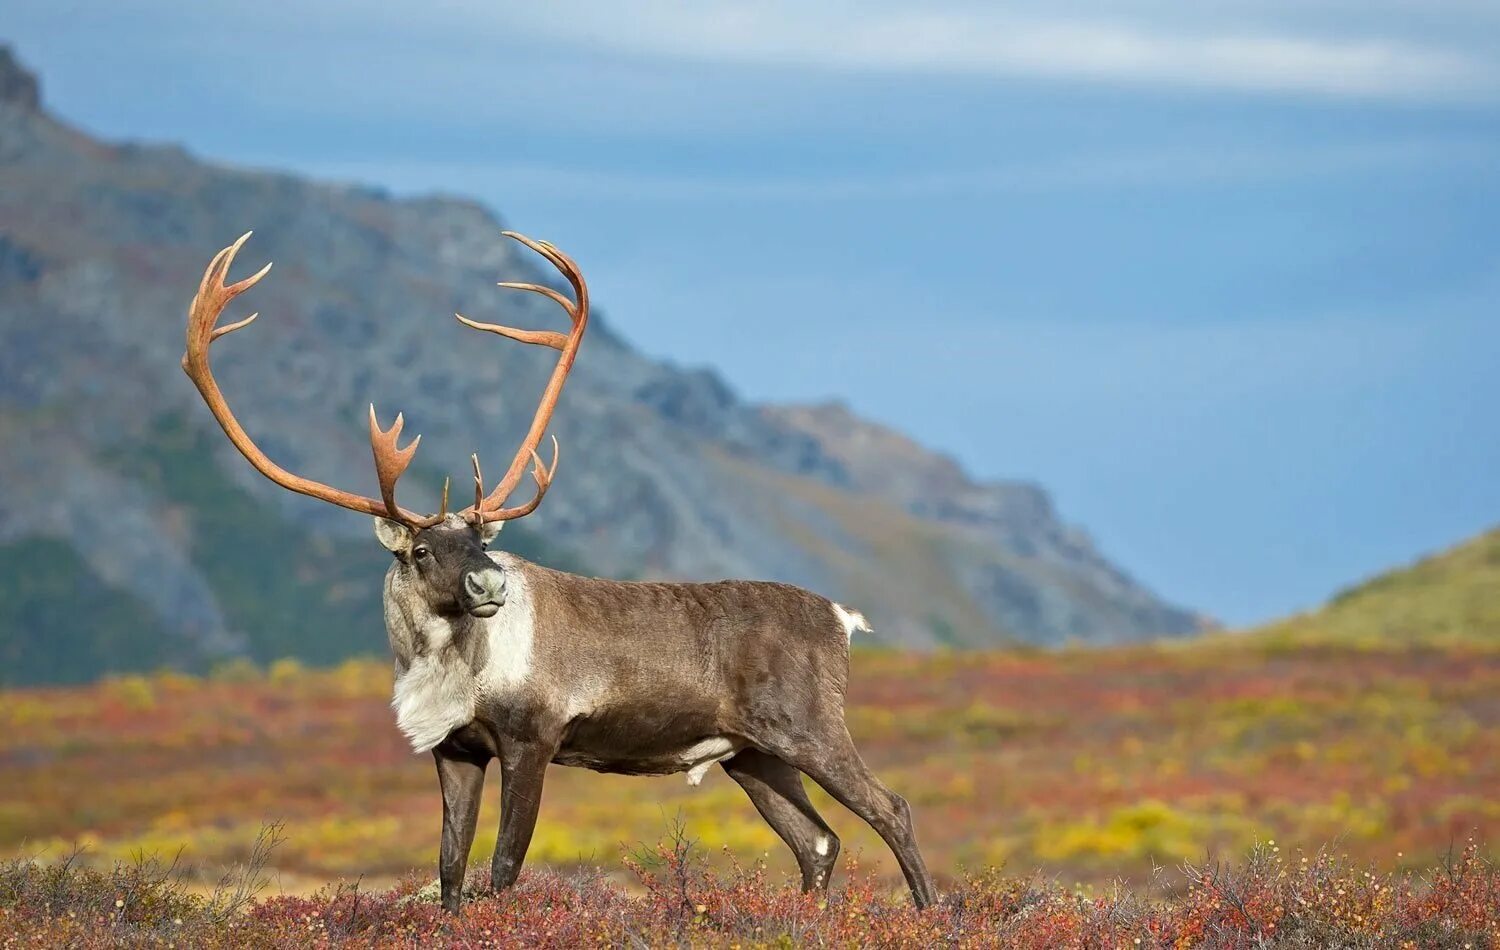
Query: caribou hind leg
point(775, 788)
point(835, 764)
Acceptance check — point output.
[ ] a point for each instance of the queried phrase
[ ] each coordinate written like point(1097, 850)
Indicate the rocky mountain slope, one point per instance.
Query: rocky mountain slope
point(131, 535)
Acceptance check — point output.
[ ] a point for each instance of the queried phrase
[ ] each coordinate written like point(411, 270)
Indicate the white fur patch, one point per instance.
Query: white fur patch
point(852, 620)
point(822, 845)
point(701, 756)
point(437, 692)
point(433, 697)
point(511, 634)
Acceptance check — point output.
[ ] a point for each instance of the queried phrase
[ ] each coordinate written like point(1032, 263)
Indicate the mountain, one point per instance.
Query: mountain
point(132, 535)
point(1449, 597)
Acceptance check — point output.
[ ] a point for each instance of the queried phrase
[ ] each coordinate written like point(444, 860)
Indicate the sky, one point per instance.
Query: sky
point(1222, 276)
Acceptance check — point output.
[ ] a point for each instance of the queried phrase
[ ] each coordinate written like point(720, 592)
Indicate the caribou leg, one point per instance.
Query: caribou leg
point(835, 764)
point(775, 788)
point(462, 781)
point(523, 768)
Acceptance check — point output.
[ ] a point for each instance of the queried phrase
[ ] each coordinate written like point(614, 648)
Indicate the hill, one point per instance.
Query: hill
point(1450, 597)
point(132, 537)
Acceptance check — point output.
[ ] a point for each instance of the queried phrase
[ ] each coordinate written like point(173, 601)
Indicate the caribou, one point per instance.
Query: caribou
point(500, 658)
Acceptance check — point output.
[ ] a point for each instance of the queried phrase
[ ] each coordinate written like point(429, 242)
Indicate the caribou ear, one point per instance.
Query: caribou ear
point(395, 536)
point(488, 530)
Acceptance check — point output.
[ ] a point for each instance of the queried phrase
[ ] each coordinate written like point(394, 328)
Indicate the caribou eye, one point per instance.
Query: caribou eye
point(421, 553)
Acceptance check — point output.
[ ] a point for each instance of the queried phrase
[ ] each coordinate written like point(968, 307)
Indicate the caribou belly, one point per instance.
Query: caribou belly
point(695, 759)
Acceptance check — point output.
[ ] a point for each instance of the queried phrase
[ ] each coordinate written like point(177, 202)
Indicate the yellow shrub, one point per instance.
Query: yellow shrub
point(135, 692)
point(1147, 829)
point(285, 671)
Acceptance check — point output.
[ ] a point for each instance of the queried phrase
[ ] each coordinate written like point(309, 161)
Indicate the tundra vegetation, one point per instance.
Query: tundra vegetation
point(1084, 797)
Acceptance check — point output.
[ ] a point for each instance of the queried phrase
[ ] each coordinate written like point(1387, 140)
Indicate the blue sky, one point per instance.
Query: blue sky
point(1223, 276)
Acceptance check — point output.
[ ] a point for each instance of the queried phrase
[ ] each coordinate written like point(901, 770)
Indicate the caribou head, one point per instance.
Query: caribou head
point(446, 566)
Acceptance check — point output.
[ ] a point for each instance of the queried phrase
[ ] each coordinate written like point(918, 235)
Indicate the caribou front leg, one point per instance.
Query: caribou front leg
point(523, 768)
point(462, 781)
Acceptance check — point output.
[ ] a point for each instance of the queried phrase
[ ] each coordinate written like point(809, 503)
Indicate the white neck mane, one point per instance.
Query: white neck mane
point(437, 692)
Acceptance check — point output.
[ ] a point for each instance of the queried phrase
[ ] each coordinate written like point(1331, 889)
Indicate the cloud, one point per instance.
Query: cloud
point(739, 70)
point(981, 42)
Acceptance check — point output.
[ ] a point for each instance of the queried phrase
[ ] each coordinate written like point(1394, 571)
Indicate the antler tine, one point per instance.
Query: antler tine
point(489, 508)
point(231, 327)
point(202, 330)
point(542, 337)
point(391, 463)
point(545, 291)
point(478, 487)
point(543, 476)
point(212, 297)
point(575, 311)
point(561, 261)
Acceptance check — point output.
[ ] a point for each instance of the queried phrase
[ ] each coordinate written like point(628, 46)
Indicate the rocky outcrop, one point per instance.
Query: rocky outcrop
point(18, 87)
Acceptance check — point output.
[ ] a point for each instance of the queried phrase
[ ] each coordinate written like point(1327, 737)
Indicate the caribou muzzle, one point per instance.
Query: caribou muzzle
point(484, 592)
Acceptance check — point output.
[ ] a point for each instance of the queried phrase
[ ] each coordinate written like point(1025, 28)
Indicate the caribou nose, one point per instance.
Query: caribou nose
point(484, 592)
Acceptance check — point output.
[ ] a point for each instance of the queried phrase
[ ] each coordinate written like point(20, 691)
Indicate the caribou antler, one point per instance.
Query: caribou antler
point(391, 461)
point(490, 507)
point(202, 330)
